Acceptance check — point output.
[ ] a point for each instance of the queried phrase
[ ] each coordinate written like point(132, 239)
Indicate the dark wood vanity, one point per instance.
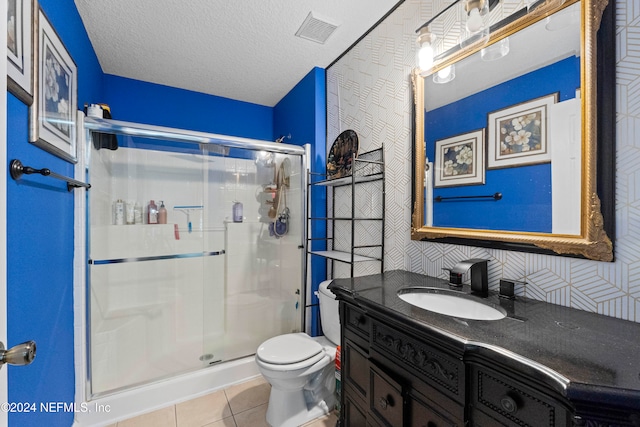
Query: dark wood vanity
point(543, 365)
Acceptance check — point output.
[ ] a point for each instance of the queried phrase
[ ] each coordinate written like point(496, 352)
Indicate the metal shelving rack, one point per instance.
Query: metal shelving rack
point(367, 167)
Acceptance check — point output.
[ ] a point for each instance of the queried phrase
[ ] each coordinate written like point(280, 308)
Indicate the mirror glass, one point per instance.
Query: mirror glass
point(505, 144)
point(509, 126)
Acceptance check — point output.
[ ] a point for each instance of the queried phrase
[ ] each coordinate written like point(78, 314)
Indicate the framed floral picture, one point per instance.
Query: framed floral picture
point(459, 160)
point(518, 135)
point(20, 27)
point(52, 116)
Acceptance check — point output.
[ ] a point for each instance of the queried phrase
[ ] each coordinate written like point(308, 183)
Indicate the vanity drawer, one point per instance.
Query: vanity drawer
point(439, 370)
point(513, 403)
point(423, 415)
point(355, 369)
point(353, 414)
point(386, 401)
point(357, 321)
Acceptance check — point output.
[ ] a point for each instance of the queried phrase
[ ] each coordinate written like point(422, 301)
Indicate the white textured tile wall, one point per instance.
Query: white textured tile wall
point(172, 312)
point(369, 90)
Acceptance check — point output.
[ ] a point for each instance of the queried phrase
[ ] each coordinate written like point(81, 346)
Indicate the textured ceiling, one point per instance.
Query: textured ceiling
point(240, 49)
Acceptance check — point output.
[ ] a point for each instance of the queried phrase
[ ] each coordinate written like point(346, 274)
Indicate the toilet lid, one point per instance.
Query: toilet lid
point(287, 349)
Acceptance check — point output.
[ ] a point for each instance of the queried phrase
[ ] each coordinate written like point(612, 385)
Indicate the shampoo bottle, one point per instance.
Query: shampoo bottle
point(152, 213)
point(137, 213)
point(118, 212)
point(162, 214)
point(130, 217)
point(237, 212)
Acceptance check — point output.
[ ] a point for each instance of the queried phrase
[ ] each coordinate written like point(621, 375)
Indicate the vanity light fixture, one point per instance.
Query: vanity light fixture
point(474, 25)
point(445, 75)
point(425, 48)
point(498, 49)
point(425, 42)
point(473, 28)
point(476, 11)
point(495, 51)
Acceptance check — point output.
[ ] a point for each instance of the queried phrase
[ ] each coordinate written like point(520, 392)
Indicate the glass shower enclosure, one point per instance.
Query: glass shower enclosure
point(194, 250)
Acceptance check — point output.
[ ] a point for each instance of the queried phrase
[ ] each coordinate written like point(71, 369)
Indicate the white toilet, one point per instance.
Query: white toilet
point(301, 369)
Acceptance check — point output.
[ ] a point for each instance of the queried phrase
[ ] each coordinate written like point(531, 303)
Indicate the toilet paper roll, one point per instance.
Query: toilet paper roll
point(94, 110)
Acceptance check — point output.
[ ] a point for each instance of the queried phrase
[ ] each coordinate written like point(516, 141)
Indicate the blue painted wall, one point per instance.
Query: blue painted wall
point(40, 237)
point(142, 102)
point(301, 117)
point(525, 189)
point(40, 214)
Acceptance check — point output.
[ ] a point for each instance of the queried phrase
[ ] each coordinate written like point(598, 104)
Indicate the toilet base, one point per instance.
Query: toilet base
point(292, 408)
point(289, 408)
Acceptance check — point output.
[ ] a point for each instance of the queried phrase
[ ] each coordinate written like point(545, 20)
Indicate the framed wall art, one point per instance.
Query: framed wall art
point(459, 160)
point(52, 116)
point(20, 35)
point(518, 135)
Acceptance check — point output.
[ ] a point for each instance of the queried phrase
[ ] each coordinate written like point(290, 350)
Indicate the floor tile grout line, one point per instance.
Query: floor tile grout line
point(228, 401)
point(175, 415)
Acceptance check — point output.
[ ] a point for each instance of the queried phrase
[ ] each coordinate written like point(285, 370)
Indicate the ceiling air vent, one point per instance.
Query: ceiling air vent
point(315, 29)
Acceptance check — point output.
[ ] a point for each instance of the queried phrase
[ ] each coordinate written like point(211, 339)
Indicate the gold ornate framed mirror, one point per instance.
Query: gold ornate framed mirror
point(519, 153)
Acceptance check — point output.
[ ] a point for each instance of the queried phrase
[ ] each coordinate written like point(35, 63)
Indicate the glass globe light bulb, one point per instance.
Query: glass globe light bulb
point(444, 73)
point(474, 21)
point(425, 56)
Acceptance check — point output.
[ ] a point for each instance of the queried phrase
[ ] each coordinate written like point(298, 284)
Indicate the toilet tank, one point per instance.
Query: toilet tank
point(329, 313)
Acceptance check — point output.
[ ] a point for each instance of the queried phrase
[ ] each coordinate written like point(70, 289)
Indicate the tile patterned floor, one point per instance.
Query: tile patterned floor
point(240, 405)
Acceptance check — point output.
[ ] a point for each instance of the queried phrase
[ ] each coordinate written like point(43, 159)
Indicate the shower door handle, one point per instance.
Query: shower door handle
point(19, 355)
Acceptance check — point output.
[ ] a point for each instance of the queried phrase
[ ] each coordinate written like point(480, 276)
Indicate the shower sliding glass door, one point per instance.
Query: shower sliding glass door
point(206, 272)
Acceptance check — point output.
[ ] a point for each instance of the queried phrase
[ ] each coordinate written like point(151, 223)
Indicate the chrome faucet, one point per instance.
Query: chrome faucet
point(479, 275)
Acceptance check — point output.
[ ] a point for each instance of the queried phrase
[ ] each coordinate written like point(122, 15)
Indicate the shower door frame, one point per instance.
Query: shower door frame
point(179, 135)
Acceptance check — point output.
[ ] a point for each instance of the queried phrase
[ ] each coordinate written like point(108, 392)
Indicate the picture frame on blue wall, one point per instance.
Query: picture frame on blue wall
point(20, 37)
point(459, 160)
point(518, 135)
point(52, 115)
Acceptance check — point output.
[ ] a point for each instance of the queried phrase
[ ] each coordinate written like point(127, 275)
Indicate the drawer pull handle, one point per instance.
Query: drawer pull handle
point(509, 404)
point(358, 321)
point(385, 402)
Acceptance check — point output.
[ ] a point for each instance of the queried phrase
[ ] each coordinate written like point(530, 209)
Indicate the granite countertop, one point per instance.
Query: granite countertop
point(584, 351)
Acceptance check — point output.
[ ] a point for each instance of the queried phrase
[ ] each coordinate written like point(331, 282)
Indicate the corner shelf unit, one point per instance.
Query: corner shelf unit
point(367, 168)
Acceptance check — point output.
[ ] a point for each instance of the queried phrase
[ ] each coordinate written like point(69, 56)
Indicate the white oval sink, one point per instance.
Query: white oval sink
point(451, 303)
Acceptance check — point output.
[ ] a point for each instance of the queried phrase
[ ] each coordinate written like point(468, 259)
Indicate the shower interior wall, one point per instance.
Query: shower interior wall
point(186, 313)
point(300, 116)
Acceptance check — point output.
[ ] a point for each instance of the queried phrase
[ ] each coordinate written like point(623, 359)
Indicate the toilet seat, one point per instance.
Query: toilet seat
point(289, 349)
